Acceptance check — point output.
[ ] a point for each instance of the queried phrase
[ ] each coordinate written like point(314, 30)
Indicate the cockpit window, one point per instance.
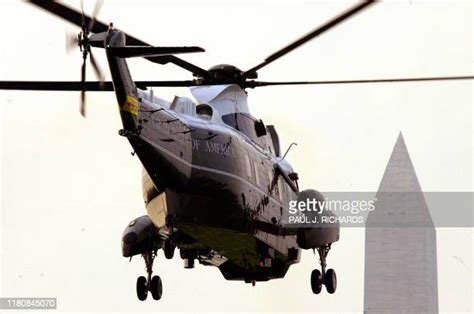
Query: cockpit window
point(243, 122)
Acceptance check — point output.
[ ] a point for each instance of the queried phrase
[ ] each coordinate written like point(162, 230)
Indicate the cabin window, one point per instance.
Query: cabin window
point(204, 111)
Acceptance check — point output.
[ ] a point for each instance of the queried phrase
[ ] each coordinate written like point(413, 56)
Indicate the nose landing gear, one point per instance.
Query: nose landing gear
point(152, 284)
point(323, 277)
point(142, 288)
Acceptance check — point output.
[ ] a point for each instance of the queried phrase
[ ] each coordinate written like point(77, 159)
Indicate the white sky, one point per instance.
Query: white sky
point(70, 186)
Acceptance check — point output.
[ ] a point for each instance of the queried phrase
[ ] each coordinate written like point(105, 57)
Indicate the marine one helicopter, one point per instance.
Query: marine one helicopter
point(215, 180)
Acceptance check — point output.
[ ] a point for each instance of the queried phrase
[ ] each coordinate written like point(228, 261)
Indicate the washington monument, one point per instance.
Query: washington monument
point(400, 244)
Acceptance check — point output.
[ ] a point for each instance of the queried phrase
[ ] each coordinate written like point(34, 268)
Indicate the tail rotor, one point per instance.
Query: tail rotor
point(82, 40)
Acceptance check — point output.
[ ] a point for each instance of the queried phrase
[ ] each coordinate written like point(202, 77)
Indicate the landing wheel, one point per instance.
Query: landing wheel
point(154, 284)
point(323, 277)
point(156, 287)
point(169, 248)
point(316, 281)
point(330, 281)
point(142, 288)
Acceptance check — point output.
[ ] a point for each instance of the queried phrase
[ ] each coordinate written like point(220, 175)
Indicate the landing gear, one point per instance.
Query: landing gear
point(154, 284)
point(330, 281)
point(156, 287)
point(169, 247)
point(142, 288)
point(316, 281)
point(323, 277)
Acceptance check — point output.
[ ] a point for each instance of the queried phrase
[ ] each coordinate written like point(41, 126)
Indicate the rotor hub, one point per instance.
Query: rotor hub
point(226, 74)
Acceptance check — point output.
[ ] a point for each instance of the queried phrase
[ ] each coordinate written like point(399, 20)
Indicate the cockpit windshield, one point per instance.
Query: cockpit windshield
point(242, 122)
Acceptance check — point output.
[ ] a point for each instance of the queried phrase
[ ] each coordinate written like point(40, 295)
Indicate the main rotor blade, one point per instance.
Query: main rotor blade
point(75, 17)
point(145, 84)
point(318, 31)
point(97, 7)
point(195, 70)
point(55, 86)
point(252, 84)
point(94, 86)
point(142, 51)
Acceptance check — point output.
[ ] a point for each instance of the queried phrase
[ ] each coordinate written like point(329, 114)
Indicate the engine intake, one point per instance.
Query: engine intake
point(140, 236)
point(316, 236)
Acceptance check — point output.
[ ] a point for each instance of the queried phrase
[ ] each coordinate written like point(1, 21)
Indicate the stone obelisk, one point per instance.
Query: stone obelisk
point(400, 244)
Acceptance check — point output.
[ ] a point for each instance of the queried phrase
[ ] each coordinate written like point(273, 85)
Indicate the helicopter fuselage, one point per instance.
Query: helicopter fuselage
point(218, 185)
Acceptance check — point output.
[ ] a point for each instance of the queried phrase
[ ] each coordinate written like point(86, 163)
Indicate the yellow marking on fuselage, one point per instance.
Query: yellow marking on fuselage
point(131, 105)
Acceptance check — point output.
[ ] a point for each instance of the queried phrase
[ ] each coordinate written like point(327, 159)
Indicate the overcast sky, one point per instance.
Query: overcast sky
point(70, 185)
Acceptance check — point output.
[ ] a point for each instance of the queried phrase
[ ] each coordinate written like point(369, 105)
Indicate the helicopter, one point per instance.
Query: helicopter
point(215, 182)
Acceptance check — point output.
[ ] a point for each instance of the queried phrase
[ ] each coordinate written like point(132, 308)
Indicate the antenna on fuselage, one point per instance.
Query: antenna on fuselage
point(291, 145)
